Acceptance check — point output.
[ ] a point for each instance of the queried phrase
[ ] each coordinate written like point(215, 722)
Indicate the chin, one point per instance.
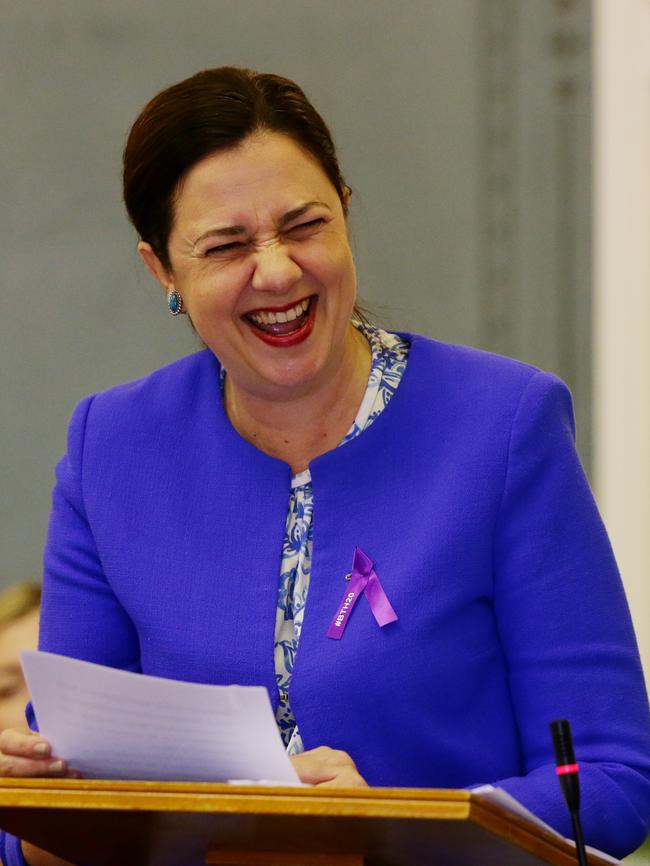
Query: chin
point(290, 381)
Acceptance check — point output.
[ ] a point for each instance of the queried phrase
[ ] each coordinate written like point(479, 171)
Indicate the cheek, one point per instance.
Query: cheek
point(332, 265)
point(346, 277)
point(217, 292)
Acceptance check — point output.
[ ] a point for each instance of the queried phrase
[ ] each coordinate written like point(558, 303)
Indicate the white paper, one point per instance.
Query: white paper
point(502, 798)
point(112, 724)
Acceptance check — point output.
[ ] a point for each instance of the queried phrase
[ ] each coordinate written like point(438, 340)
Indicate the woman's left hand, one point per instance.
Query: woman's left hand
point(325, 766)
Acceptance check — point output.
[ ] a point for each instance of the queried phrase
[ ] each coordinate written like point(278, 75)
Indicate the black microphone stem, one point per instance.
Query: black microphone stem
point(567, 773)
point(579, 839)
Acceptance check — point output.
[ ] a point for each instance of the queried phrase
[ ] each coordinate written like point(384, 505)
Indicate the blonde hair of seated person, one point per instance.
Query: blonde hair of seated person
point(19, 614)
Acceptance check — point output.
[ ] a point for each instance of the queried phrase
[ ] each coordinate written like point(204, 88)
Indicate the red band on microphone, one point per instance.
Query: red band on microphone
point(565, 769)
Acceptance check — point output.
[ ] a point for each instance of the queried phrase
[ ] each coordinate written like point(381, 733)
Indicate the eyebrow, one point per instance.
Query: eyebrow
point(300, 211)
point(289, 216)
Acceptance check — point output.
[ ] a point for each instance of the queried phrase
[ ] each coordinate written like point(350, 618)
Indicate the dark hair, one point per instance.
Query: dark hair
point(213, 110)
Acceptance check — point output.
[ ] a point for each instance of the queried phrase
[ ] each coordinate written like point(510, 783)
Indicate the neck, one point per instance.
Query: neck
point(299, 430)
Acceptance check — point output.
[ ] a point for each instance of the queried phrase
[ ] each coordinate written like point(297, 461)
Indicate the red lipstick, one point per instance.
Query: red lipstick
point(285, 341)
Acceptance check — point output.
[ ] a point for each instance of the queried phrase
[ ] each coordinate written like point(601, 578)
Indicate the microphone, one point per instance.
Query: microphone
point(567, 772)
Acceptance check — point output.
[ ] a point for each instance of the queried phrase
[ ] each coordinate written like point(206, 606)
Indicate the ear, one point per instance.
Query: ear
point(155, 267)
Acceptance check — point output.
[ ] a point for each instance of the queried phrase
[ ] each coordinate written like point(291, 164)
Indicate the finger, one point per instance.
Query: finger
point(323, 764)
point(313, 766)
point(347, 778)
point(16, 767)
point(24, 743)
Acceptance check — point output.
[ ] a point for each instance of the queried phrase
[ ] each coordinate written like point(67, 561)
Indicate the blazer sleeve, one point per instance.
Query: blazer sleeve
point(11, 853)
point(80, 614)
point(566, 632)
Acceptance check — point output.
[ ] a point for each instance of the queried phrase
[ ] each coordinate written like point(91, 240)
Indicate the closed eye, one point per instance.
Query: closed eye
point(220, 249)
point(306, 226)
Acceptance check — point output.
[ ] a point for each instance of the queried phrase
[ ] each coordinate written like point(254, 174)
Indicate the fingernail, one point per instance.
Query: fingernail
point(41, 749)
point(56, 767)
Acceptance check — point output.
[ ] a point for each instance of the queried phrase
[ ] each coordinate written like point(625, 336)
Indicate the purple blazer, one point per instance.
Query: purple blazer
point(163, 556)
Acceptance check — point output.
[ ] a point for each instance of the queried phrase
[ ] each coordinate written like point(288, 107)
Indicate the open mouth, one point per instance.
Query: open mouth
point(284, 326)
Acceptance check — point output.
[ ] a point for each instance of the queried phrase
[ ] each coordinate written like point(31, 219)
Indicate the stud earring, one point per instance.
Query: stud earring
point(174, 303)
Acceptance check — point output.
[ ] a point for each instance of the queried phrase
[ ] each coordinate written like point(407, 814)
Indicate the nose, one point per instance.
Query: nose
point(275, 269)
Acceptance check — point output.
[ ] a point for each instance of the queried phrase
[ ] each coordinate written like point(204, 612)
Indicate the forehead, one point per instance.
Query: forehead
point(267, 171)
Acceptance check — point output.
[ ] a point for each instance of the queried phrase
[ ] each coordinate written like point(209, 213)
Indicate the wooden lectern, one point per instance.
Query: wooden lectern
point(107, 823)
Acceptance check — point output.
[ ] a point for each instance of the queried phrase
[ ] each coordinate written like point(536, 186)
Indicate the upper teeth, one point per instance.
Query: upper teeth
point(263, 317)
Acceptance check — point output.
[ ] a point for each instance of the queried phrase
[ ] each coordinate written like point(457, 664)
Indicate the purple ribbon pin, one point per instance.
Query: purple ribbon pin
point(363, 579)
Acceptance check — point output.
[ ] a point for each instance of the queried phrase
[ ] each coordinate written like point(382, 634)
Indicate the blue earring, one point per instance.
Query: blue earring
point(175, 303)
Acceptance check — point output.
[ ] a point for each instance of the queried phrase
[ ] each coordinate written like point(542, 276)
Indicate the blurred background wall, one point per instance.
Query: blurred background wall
point(621, 292)
point(464, 128)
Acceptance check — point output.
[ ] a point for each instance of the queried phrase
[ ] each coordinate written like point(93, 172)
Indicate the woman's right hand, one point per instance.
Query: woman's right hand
point(24, 753)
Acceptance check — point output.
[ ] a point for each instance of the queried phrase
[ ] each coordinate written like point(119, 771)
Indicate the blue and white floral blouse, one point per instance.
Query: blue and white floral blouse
point(389, 356)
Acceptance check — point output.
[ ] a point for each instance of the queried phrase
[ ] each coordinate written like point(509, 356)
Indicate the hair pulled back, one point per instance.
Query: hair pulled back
point(213, 110)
